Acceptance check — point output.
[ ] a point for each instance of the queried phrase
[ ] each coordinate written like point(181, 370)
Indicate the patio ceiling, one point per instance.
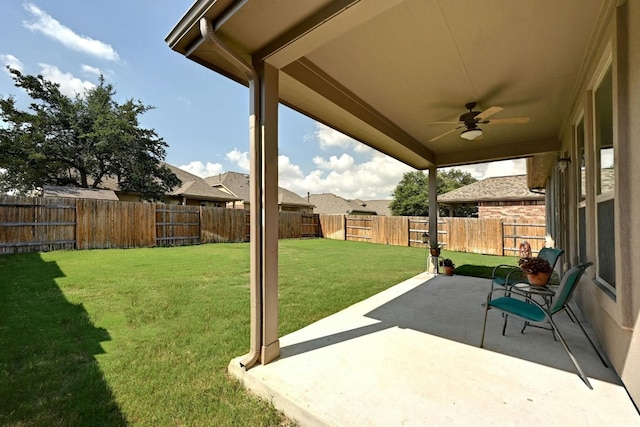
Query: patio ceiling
point(383, 71)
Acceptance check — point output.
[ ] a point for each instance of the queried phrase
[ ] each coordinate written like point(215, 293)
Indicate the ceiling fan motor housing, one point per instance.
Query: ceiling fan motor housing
point(469, 119)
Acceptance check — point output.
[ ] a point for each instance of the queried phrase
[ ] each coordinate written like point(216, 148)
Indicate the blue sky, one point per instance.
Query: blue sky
point(202, 116)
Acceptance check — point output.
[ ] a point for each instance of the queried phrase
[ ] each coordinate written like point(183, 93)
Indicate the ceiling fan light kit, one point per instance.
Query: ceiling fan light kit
point(471, 134)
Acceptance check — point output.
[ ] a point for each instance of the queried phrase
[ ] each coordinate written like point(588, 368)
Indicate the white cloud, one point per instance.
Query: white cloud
point(69, 84)
point(374, 179)
point(239, 158)
point(88, 69)
point(328, 137)
point(202, 170)
point(340, 164)
point(492, 169)
point(51, 28)
point(288, 171)
point(11, 61)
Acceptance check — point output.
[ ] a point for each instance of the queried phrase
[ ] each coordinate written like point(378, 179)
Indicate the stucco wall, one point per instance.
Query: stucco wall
point(615, 319)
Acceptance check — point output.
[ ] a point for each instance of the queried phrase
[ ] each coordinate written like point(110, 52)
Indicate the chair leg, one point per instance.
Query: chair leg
point(504, 325)
point(571, 356)
point(573, 315)
point(484, 324)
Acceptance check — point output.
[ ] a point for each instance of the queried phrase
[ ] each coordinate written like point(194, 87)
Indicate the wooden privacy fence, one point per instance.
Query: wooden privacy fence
point(477, 235)
point(44, 224)
point(515, 232)
point(36, 224)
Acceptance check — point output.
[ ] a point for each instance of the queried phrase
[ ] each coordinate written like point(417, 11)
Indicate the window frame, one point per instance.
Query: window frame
point(599, 197)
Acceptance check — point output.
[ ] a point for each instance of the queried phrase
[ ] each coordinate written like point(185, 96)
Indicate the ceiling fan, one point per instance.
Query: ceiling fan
point(471, 119)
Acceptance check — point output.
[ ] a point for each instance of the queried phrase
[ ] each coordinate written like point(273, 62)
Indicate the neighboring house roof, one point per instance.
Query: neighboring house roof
point(78, 193)
point(380, 206)
point(503, 188)
point(328, 203)
point(231, 182)
point(195, 187)
point(289, 198)
point(237, 183)
point(192, 187)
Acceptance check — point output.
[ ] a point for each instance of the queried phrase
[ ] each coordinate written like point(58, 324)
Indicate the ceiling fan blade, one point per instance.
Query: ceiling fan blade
point(488, 112)
point(444, 134)
point(445, 123)
point(509, 120)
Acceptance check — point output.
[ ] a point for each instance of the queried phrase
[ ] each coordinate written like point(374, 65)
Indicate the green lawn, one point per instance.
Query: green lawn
point(143, 336)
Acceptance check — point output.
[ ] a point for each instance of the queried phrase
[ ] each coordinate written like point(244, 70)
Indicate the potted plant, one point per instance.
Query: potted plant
point(448, 266)
point(537, 270)
point(434, 249)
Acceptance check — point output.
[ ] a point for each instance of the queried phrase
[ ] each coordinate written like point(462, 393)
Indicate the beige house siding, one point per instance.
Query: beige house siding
point(614, 318)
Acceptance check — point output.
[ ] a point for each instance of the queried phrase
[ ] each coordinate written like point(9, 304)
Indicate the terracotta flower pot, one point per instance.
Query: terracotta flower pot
point(435, 251)
point(538, 279)
point(448, 271)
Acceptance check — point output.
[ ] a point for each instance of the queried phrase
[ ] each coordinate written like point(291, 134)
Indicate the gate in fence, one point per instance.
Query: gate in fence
point(515, 233)
point(177, 225)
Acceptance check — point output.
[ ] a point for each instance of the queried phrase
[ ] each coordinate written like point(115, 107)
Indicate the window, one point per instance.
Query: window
point(582, 191)
point(604, 164)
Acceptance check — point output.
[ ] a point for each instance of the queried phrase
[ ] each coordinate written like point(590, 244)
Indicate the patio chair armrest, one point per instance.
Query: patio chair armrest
point(509, 285)
point(503, 266)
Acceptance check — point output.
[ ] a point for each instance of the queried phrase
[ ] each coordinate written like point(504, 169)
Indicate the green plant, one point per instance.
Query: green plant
point(534, 265)
point(446, 262)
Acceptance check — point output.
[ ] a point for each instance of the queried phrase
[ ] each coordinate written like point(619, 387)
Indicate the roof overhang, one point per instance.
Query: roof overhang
point(383, 71)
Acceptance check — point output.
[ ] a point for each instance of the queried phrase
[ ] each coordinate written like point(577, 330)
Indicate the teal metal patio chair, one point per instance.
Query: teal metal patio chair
point(529, 310)
point(506, 275)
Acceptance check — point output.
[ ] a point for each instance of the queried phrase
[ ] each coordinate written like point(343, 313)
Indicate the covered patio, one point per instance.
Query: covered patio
point(410, 356)
point(442, 83)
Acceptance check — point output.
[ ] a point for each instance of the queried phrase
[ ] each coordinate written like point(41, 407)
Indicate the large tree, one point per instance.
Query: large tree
point(411, 195)
point(80, 141)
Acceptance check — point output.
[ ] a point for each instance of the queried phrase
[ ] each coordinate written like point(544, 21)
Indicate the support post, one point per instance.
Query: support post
point(433, 214)
point(269, 182)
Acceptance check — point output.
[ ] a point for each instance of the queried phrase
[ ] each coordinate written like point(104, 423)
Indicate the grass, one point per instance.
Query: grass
point(143, 336)
point(475, 265)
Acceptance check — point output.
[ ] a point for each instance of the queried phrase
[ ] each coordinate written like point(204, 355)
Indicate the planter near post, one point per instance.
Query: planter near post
point(537, 270)
point(448, 266)
point(538, 279)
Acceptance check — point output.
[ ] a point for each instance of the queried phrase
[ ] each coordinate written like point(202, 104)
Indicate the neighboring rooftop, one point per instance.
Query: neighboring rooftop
point(502, 188)
point(237, 184)
point(195, 187)
point(232, 183)
point(329, 203)
point(192, 187)
point(78, 193)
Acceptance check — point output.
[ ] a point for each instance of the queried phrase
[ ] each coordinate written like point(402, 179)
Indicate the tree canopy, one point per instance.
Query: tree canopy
point(411, 195)
point(81, 141)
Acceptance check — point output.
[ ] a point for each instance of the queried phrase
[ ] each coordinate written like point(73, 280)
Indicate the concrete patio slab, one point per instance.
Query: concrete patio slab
point(410, 356)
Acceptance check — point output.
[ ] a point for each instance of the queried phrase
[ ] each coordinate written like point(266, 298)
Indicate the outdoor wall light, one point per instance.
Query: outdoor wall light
point(425, 238)
point(471, 134)
point(563, 163)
